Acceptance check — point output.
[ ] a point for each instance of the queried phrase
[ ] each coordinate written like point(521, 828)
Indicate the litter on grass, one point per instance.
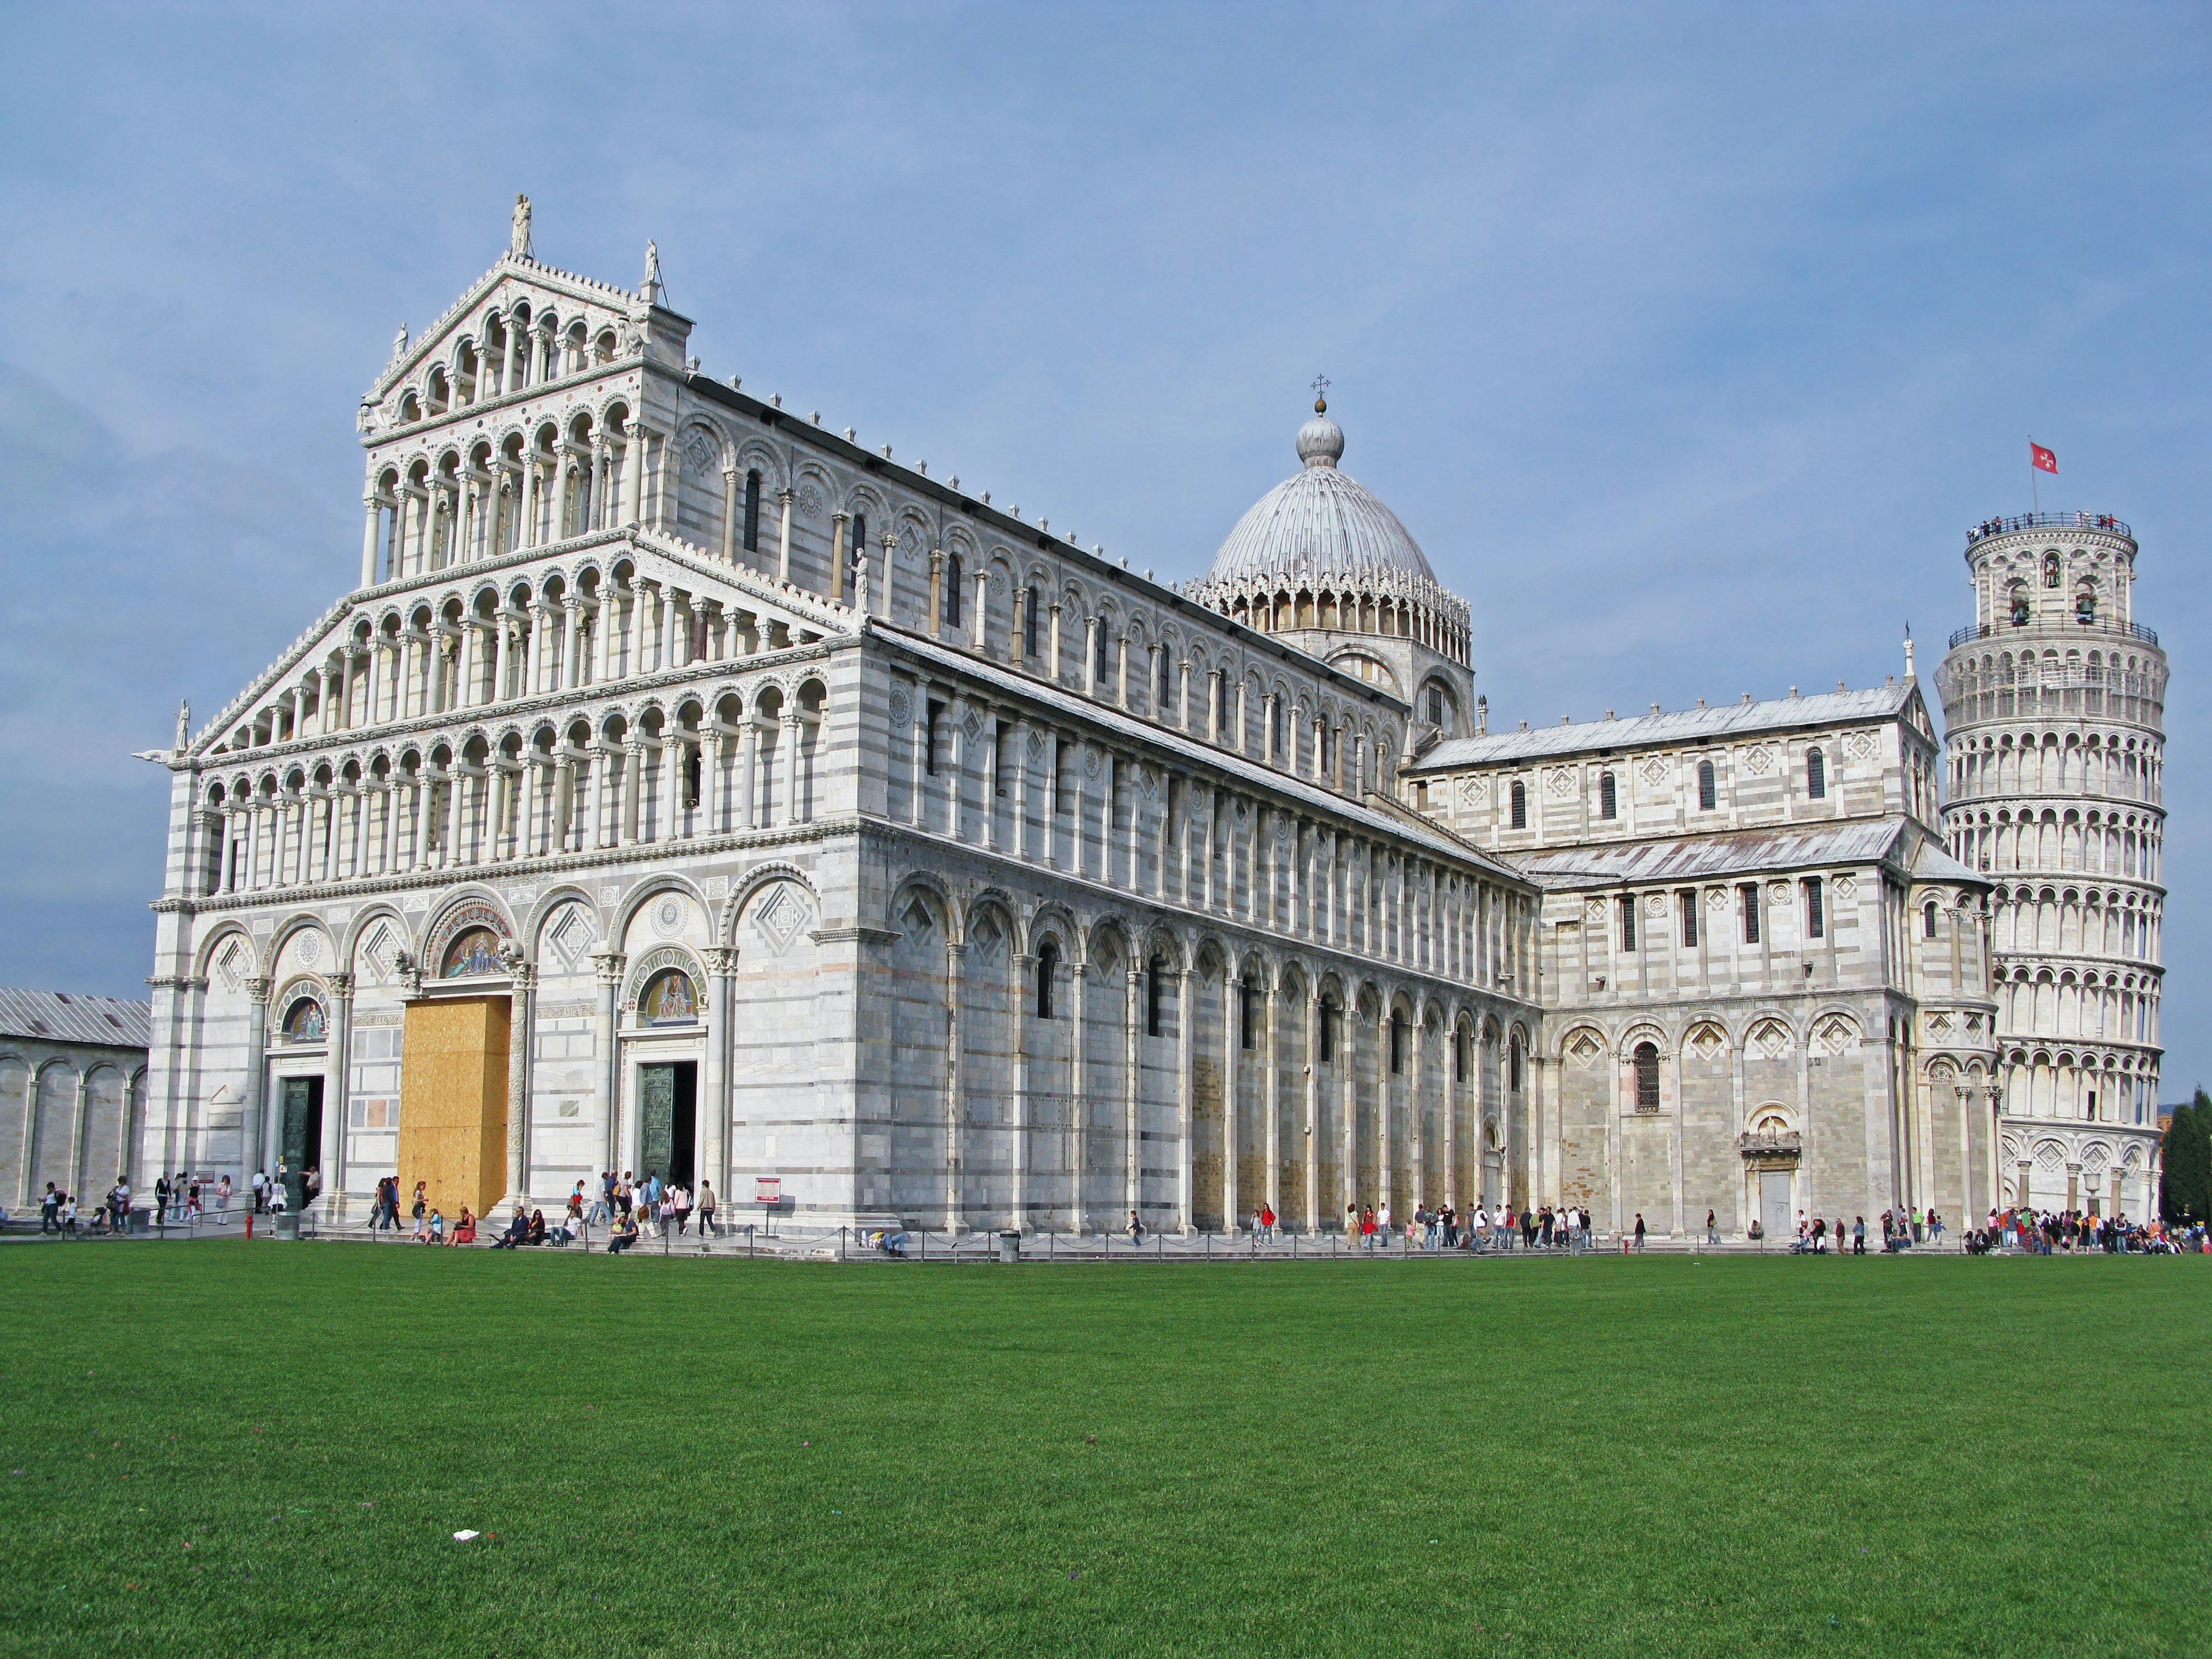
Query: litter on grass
point(463, 1537)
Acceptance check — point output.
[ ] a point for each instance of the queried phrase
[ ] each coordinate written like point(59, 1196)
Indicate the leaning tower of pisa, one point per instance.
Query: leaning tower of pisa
point(2053, 701)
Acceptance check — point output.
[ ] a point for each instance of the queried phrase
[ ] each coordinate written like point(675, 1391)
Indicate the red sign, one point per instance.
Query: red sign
point(2044, 460)
point(767, 1189)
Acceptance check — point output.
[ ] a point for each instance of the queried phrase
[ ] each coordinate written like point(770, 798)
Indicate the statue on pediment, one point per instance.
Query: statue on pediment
point(517, 235)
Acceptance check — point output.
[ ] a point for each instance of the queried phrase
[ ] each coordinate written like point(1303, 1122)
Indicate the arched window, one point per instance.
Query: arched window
point(1608, 800)
point(2050, 570)
point(1325, 1035)
point(1647, 1077)
point(1048, 967)
point(1030, 606)
point(1156, 978)
point(949, 602)
point(2019, 607)
point(1103, 666)
point(1247, 1013)
point(1164, 692)
point(1816, 774)
point(1816, 916)
point(1928, 920)
point(1397, 1041)
point(1707, 789)
point(752, 511)
point(1520, 805)
point(1513, 1064)
point(860, 541)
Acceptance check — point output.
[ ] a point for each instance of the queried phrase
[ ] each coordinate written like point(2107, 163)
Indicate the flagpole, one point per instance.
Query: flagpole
point(2034, 494)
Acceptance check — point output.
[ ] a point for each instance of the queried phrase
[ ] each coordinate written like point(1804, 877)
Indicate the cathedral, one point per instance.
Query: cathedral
point(688, 787)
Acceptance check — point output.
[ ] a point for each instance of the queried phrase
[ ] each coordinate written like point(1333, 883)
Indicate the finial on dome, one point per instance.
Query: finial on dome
point(1321, 440)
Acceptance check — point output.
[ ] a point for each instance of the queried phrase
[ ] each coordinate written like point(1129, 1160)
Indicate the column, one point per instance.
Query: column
point(632, 785)
point(1053, 671)
point(533, 489)
point(663, 628)
point(748, 789)
point(713, 1082)
point(251, 1150)
point(1131, 1087)
point(634, 664)
point(1232, 1091)
point(936, 619)
point(730, 515)
point(336, 1074)
point(503, 655)
point(608, 965)
point(634, 446)
point(595, 507)
point(783, 535)
point(1272, 1143)
point(1185, 1060)
point(838, 524)
point(1090, 656)
point(953, 953)
point(790, 767)
point(465, 691)
point(371, 510)
point(1312, 1124)
point(564, 805)
point(978, 630)
point(565, 676)
point(1079, 1097)
point(891, 546)
point(521, 993)
point(672, 786)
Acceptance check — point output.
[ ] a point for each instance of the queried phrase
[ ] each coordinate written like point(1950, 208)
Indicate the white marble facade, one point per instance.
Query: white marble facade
point(970, 877)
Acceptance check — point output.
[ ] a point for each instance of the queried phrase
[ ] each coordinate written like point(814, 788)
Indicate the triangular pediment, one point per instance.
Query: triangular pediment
point(778, 610)
point(519, 277)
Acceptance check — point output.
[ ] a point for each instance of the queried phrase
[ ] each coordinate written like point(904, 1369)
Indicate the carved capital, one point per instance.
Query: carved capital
point(609, 965)
point(721, 962)
point(258, 989)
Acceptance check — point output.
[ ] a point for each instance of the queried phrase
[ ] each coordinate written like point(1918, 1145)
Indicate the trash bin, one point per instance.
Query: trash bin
point(1010, 1247)
point(288, 1224)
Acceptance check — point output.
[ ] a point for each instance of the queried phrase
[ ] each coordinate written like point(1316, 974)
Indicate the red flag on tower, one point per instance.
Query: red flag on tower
point(2044, 460)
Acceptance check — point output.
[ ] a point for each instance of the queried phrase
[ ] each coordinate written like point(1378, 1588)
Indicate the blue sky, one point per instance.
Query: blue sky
point(1686, 340)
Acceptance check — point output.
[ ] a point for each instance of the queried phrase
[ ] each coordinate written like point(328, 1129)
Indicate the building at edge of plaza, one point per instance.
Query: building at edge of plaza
point(688, 787)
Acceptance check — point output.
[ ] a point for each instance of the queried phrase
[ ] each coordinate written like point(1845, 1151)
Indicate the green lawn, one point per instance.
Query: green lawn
point(230, 1448)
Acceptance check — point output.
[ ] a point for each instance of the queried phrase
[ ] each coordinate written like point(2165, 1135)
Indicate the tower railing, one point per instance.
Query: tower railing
point(2075, 624)
point(2105, 521)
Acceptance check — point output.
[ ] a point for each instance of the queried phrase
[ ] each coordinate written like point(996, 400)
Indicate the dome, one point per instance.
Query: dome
point(1319, 521)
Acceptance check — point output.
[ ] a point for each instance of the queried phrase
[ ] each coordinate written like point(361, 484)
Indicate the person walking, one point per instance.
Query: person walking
point(161, 1193)
point(1639, 1230)
point(50, 1210)
point(706, 1210)
point(1266, 1222)
point(1858, 1234)
point(1136, 1228)
point(602, 1206)
point(1712, 1228)
point(222, 1199)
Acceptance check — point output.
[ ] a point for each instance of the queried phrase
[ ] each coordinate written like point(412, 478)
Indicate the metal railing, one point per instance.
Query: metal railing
point(1990, 527)
point(2094, 625)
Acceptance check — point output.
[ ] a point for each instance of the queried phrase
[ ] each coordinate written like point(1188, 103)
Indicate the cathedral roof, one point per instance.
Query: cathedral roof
point(1319, 521)
point(66, 1017)
point(1683, 725)
point(1745, 853)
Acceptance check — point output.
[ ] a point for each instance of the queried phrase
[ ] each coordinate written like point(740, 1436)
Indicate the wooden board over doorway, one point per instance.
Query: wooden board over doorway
point(452, 1102)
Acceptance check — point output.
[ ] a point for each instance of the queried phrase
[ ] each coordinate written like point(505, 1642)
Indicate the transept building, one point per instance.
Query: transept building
point(686, 785)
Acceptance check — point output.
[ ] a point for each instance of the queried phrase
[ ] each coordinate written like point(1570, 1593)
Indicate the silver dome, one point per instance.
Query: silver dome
point(1319, 521)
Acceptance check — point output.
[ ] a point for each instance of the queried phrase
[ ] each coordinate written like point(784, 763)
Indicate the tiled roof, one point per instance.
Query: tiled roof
point(1683, 725)
point(1738, 852)
point(66, 1017)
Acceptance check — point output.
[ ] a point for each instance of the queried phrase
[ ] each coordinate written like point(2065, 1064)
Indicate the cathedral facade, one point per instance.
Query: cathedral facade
point(688, 787)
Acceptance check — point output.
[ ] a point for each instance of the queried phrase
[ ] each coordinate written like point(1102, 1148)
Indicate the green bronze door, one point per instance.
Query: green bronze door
point(656, 1144)
point(299, 1146)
